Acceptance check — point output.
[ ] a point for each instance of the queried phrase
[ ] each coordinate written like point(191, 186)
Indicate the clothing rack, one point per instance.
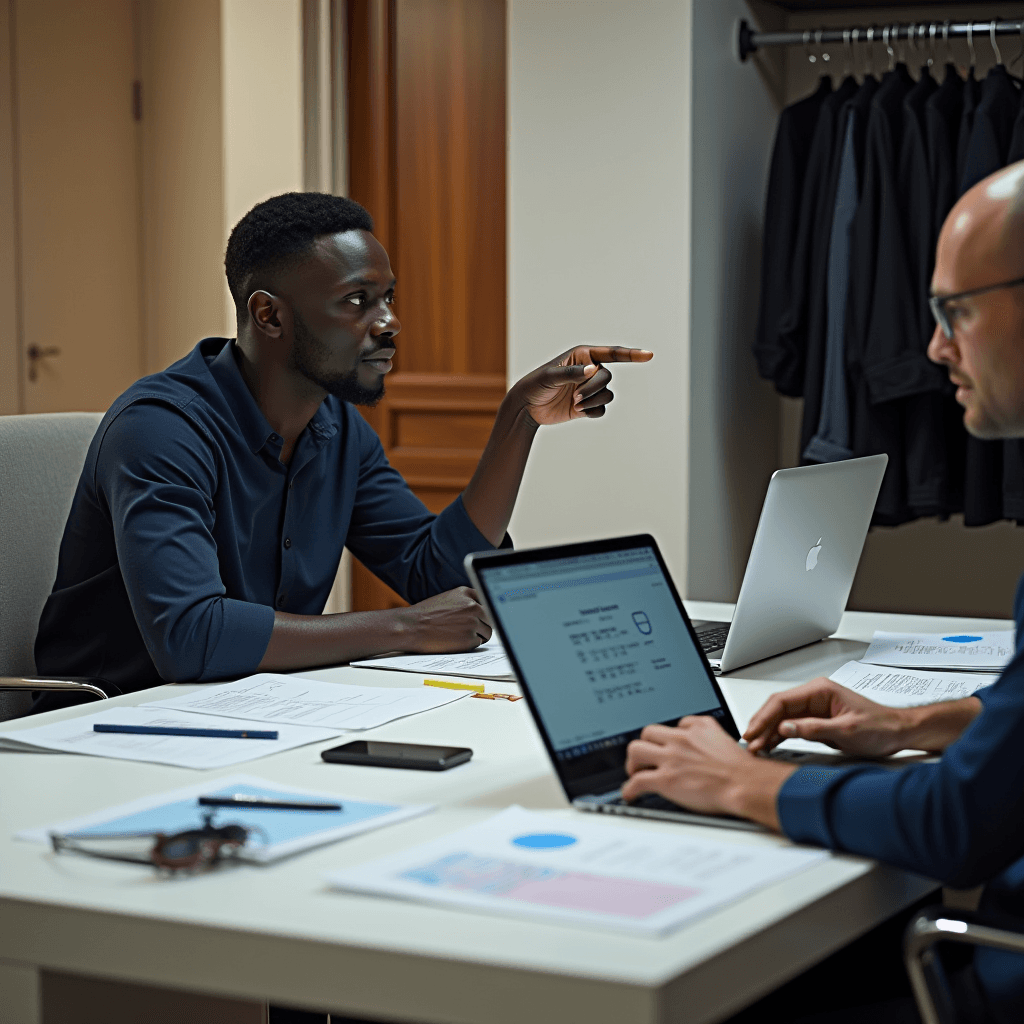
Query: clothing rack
point(748, 40)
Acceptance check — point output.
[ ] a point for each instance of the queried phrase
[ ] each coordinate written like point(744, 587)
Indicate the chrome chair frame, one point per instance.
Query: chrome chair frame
point(927, 978)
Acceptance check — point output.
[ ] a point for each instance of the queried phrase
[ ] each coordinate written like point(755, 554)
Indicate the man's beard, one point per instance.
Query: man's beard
point(309, 354)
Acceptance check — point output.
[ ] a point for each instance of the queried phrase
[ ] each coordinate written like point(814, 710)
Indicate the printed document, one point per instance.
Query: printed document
point(277, 833)
point(76, 736)
point(981, 651)
point(488, 661)
point(903, 687)
point(566, 870)
point(294, 700)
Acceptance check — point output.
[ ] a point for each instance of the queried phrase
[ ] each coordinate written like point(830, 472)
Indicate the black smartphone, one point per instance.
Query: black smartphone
point(398, 755)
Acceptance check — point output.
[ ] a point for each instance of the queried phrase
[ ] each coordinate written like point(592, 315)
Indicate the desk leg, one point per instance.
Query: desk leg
point(20, 1001)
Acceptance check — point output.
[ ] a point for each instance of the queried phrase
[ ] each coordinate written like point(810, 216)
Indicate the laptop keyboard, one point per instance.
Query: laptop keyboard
point(713, 638)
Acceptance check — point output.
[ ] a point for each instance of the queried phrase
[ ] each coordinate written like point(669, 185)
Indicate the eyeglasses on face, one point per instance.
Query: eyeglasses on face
point(191, 850)
point(938, 303)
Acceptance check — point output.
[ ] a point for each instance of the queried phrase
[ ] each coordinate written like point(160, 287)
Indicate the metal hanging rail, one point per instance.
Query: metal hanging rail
point(749, 40)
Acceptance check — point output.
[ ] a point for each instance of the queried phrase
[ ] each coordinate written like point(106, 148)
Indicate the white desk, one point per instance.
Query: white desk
point(278, 933)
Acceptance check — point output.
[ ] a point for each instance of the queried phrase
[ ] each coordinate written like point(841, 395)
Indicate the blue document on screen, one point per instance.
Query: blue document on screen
point(280, 832)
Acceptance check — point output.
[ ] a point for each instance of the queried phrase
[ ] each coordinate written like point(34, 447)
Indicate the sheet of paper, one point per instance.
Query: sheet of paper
point(308, 702)
point(568, 870)
point(903, 687)
point(965, 652)
point(285, 832)
point(488, 661)
point(76, 736)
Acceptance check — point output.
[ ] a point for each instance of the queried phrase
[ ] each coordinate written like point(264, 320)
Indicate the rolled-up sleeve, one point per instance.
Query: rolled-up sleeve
point(161, 504)
point(397, 537)
point(958, 820)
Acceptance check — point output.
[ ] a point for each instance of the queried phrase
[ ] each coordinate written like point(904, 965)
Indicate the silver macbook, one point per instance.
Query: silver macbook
point(602, 646)
point(802, 562)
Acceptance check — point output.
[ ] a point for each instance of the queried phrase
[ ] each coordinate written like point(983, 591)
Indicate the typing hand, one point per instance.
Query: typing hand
point(574, 384)
point(823, 710)
point(452, 621)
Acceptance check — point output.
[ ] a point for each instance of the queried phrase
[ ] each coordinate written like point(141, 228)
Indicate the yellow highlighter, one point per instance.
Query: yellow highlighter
point(447, 684)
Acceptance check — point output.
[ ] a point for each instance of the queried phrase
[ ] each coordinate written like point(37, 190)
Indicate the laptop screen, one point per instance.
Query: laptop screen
point(602, 646)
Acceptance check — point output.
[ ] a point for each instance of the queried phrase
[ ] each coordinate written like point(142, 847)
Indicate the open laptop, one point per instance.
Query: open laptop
point(802, 562)
point(602, 646)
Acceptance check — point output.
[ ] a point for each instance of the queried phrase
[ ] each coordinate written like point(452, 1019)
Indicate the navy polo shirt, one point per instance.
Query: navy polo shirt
point(959, 820)
point(187, 531)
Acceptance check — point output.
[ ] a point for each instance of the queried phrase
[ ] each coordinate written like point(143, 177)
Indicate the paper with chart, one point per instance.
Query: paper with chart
point(566, 870)
point(488, 661)
point(294, 700)
point(904, 687)
point(973, 651)
point(280, 832)
point(76, 736)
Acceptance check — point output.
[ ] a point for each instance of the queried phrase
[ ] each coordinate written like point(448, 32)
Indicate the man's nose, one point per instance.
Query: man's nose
point(386, 324)
point(940, 348)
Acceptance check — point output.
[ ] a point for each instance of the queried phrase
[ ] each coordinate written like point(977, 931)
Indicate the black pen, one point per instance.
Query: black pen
point(265, 803)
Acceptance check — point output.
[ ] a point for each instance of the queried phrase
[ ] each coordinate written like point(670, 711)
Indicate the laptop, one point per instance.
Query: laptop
point(602, 646)
point(802, 562)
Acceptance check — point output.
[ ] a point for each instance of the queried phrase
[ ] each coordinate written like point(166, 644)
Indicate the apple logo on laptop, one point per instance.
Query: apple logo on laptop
point(812, 557)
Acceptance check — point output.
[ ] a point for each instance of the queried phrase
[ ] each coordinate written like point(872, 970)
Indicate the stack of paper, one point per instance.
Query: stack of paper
point(488, 661)
point(293, 700)
point(576, 872)
point(901, 688)
point(279, 832)
point(964, 652)
point(76, 736)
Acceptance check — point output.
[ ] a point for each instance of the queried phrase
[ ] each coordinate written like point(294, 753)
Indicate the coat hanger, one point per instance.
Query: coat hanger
point(1020, 25)
point(931, 43)
point(849, 56)
point(888, 47)
point(871, 52)
point(995, 45)
point(811, 59)
point(970, 43)
point(825, 55)
point(945, 39)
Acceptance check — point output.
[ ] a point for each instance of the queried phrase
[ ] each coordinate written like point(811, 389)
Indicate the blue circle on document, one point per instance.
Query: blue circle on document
point(544, 840)
point(962, 639)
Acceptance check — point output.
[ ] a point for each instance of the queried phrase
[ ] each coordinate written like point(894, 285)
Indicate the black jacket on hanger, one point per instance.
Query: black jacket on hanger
point(880, 307)
point(942, 115)
point(971, 98)
point(780, 346)
point(992, 127)
point(1017, 138)
point(857, 102)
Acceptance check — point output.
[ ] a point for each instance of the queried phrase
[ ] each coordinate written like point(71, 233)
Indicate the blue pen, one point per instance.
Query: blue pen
point(167, 730)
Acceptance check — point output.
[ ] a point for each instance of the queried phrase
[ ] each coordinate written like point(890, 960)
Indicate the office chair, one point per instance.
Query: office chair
point(927, 977)
point(41, 459)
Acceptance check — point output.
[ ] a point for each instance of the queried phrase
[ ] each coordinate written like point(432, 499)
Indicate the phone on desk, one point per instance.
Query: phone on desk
point(398, 755)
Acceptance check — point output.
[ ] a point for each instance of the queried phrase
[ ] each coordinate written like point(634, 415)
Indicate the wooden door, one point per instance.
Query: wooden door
point(77, 198)
point(426, 117)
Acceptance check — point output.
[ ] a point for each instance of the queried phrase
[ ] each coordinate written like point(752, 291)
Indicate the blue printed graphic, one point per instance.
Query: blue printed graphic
point(642, 623)
point(544, 841)
point(962, 639)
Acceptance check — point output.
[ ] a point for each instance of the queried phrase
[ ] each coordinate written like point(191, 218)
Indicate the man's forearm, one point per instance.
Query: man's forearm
point(303, 641)
point(934, 727)
point(755, 792)
point(491, 494)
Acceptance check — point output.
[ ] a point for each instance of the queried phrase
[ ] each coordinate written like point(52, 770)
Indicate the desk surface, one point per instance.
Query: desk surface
point(278, 933)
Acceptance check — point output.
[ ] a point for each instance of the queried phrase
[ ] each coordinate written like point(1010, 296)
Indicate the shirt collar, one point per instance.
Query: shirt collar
point(255, 428)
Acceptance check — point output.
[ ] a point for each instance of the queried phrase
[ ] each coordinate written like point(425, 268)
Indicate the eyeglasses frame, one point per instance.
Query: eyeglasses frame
point(937, 303)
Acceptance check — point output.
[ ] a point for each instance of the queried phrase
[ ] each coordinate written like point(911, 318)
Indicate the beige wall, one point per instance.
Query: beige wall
point(261, 43)
point(9, 298)
point(183, 187)
point(598, 133)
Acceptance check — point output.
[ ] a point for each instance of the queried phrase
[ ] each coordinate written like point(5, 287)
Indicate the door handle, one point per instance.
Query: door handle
point(35, 353)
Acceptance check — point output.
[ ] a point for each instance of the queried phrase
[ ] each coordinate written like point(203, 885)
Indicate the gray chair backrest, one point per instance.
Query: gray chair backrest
point(41, 459)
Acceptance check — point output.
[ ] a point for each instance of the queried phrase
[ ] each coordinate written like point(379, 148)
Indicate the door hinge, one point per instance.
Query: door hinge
point(137, 100)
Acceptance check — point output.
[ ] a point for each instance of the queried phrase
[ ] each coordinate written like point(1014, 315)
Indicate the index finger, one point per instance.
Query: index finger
point(619, 354)
point(798, 702)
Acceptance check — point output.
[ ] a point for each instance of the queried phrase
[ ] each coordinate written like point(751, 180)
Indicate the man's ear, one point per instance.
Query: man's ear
point(265, 313)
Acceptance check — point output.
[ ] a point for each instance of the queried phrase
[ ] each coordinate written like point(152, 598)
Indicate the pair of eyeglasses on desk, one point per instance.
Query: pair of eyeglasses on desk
point(191, 850)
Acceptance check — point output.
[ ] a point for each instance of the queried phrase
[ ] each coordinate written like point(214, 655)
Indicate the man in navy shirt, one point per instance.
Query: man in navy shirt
point(960, 819)
point(217, 496)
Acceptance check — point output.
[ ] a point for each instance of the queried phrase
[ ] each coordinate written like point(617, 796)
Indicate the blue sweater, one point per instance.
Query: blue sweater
point(960, 820)
point(187, 532)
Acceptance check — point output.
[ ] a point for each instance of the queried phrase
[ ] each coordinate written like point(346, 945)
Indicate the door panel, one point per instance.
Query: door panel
point(427, 158)
point(78, 198)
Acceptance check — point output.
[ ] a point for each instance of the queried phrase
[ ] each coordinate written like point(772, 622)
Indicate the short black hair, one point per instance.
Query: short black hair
point(279, 231)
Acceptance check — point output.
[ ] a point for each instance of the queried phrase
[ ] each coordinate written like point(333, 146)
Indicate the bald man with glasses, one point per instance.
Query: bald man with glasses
point(961, 818)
